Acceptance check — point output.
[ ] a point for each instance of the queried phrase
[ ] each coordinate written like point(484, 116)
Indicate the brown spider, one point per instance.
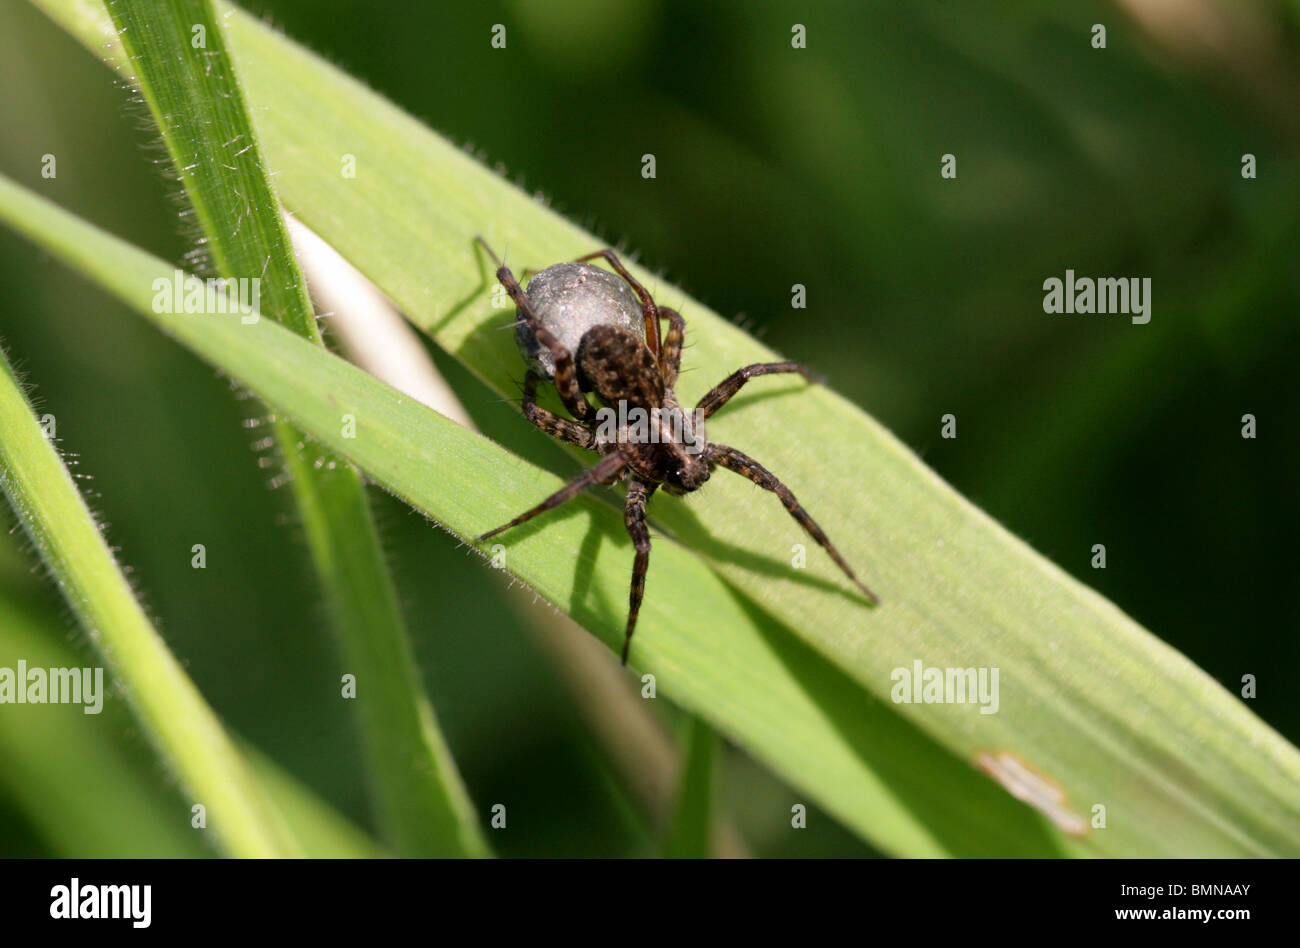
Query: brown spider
point(580, 327)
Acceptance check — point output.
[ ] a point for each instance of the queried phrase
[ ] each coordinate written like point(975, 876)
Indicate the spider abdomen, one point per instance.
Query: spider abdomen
point(570, 299)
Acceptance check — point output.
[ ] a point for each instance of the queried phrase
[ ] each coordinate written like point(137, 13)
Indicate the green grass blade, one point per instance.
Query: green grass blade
point(688, 836)
point(322, 831)
point(188, 734)
point(179, 60)
point(53, 758)
point(1108, 714)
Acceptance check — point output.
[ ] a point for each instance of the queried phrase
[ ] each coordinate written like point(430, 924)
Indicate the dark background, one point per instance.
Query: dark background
point(775, 166)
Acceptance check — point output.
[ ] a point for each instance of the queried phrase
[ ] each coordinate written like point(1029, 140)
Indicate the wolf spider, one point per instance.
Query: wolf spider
point(637, 368)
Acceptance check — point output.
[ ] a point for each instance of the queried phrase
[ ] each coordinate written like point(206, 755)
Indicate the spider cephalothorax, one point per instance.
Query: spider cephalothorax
point(588, 331)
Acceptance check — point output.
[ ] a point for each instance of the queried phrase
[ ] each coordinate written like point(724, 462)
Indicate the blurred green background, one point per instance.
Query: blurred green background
point(775, 166)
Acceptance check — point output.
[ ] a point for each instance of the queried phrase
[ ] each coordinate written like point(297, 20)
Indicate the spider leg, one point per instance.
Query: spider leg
point(746, 466)
point(604, 469)
point(671, 360)
point(566, 375)
point(733, 383)
point(651, 311)
point(551, 423)
point(638, 494)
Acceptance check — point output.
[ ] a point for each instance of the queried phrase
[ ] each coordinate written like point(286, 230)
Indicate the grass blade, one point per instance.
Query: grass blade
point(54, 758)
point(179, 60)
point(689, 835)
point(188, 734)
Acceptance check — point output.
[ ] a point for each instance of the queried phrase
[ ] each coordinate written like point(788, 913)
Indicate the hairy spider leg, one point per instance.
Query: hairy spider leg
point(733, 383)
point(746, 466)
point(670, 362)
point(652, 337)
point(566, 374)
point(551, 423)
point(638, 493)
point(602, 471)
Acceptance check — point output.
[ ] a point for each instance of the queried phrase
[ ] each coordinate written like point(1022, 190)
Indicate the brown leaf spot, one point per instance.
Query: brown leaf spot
point(1025, 783)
